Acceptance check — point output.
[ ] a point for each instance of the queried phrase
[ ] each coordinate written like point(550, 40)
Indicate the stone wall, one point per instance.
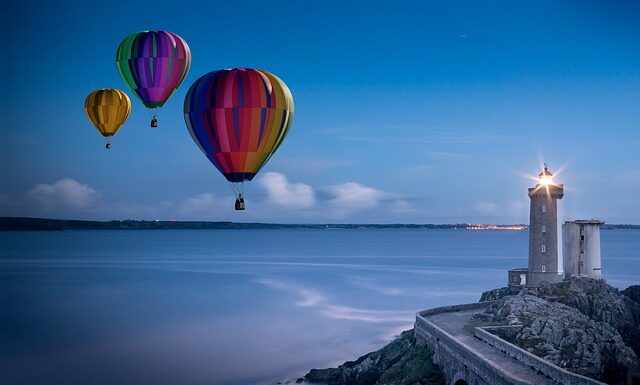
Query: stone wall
point(456, 360)
point(459, 362)
point(558, 374)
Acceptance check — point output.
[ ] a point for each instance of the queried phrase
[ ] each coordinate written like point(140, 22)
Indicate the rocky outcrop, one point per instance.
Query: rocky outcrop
point(601, 303)
point(401, 362)
point(496, 294)
point(582, 325)
point(633, 292)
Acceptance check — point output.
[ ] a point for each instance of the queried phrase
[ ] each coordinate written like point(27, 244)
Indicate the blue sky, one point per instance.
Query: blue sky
point(407, 112)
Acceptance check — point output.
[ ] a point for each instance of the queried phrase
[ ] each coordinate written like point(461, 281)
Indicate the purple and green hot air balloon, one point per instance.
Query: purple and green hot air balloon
point(153, 64)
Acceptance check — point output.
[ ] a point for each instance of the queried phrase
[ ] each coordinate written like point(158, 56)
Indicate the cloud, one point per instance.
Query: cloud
point(65, 193)
point(278, 200)
point(197, 204)
point(281, 192)
point(351, 196)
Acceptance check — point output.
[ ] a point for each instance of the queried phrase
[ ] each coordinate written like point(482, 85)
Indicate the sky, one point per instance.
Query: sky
point(406, 111)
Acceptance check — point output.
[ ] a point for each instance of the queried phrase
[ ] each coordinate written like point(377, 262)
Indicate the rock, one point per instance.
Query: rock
point(633, 292)
point(496, 294)
point(401, 362)
point(568, 338)
point(601, 303)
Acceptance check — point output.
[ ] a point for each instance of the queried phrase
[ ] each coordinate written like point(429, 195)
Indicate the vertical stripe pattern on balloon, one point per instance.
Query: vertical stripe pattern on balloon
point(107, 109)
point(153, 64)
point(238, 118)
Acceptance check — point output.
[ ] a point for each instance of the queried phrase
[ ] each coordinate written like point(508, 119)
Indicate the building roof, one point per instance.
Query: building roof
point(587, 222)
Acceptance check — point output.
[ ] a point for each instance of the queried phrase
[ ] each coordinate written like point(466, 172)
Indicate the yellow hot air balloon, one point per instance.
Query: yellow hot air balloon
point(107, 109)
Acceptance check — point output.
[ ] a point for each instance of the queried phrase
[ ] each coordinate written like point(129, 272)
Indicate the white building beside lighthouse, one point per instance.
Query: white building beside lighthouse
point(582, 249)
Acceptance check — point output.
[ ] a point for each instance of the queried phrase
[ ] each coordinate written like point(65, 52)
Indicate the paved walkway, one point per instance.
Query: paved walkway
point(461, 325)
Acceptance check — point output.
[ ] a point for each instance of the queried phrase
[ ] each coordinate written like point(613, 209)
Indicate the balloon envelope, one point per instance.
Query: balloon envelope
point(153, 64)
point(107, 109)
point(238, 118)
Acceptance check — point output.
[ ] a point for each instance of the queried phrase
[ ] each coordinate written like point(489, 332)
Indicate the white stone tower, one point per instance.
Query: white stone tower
point(582, 249)
point(544, 262)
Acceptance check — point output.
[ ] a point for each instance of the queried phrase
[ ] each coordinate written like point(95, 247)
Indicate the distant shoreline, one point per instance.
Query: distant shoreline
point(47, 224)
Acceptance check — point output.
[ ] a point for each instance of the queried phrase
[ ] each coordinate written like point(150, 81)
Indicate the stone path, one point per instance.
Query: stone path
point(460, 325)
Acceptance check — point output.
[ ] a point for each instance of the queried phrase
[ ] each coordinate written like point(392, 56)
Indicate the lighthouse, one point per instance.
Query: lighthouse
point(544, 262)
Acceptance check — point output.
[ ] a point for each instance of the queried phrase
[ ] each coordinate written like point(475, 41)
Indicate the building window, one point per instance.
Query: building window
point(544, 228)
point(544, 268)
point(544, 248)
point(544, 208)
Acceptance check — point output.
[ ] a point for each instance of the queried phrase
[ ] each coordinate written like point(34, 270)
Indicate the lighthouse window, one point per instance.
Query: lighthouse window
point(544, 208)
point(544, 268)
point(544, 228)
point(544, 248)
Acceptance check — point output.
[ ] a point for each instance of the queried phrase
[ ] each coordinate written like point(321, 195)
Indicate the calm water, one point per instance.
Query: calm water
point(237, 306)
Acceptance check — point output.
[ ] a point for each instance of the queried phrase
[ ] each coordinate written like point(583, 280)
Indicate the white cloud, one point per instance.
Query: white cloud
point(351, 196)
point(65, 193)
point(281, 192)
point(197, 204)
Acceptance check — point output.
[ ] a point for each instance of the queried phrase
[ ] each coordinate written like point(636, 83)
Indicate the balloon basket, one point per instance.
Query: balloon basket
point(240, 204)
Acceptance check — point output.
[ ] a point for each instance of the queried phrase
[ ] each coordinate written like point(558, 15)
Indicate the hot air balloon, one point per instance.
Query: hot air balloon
point(107, 109)
point(238, 118)
point(153, 64)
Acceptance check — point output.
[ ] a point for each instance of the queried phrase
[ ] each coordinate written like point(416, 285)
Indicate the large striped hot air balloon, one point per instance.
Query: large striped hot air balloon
point(153, 64)
point(107, 109)
point(238, 118)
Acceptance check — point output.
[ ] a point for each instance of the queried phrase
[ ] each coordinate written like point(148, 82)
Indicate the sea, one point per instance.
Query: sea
point(238, 307)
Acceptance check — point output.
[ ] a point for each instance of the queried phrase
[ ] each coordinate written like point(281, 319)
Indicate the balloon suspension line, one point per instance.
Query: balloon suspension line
point(237, 186)
point(154, 118)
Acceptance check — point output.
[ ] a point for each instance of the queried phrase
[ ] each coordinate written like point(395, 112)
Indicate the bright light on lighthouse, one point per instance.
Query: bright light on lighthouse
point(546, 177)
point(546, 180)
